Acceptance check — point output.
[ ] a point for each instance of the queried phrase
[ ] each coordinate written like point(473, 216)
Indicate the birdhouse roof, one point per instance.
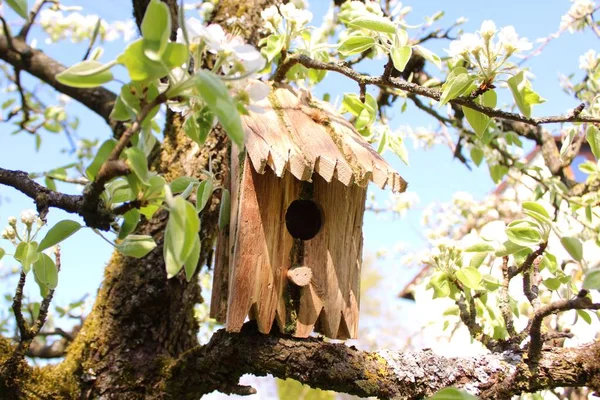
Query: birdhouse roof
point(291, 131)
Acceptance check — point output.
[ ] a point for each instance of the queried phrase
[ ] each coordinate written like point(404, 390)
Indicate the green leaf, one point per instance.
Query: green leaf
point(573, 247)
point(593, 138)
point(86, 74)
point(136, 246)
point(2, 253)
point(400, 56)
point(524, 233)
point(477, 259)
point(452, 394)
point(130, 220)
point(156, 28)
point(524, 96)
point(121, 112)
point(274, 46)
point(27, 253)
point(477, 155)
point(566, 144)
point(592, 279)
point(480, 247)
point(102, 155)
point(138, 163)
point(203, 194)
point(396, 144)
point(45, 271)
point(457, 83)
point(191, 263)
point(374, 23)
point(59, 232)
point(217, 98)
point(224, 209)
point(470, 277)
point(180, 184)
point(356, 44)
point(508, 248)
point(182, 228)
point(584, 316)
point(19, 6)
point(490, 283)
point(552, 283)
point(536, 211)
point(429, 56)
point(143, 69)
point(439, 284)
point(479, 121)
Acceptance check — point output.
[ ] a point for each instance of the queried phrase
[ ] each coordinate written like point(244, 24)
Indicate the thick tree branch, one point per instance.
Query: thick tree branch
point(23, 57)
point(388, 374)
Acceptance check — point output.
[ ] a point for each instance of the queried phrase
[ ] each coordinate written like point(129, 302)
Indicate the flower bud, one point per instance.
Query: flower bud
point(28, 216)
point(12, 221)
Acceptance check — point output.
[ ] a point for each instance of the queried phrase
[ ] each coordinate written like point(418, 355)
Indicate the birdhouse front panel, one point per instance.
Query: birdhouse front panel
point(292, 256)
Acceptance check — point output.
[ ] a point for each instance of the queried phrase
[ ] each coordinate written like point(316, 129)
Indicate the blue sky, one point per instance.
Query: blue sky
point(434, 175)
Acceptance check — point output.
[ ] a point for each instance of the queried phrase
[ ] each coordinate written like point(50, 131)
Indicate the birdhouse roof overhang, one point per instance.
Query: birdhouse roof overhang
point(290, 131)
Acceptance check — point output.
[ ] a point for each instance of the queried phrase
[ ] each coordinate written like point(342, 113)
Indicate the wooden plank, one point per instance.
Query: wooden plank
point(262, 248)
point(219, 294)
point(335, 257)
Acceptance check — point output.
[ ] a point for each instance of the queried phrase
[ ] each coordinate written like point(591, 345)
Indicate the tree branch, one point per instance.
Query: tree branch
point(414, 88)
point(21, 56)
point(386, 374)
point(45, 198)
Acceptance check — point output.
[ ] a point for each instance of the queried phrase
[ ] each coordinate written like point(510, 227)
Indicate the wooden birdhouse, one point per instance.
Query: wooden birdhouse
point(292, 257)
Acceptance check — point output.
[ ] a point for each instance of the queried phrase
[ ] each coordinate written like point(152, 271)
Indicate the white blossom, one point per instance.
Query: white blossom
point(28, 216)
point(575, 18)
point(510, 41)
point(12, 221)
point(299, 17)
point(220, 42)
point(589, 60)
point(488, 29)
point(272, 17)
point(468, 43)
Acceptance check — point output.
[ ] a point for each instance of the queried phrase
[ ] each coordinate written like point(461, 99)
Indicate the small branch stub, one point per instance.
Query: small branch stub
point(300, 276)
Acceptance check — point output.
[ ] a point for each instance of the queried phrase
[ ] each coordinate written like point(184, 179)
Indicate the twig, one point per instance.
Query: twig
point(526, 265)
point(24, 105)
point(123, 208)
point(17, 307)
point(7, 33)
point(114, 167)
point(32, 15)
point(41, 320)
point(505, 299)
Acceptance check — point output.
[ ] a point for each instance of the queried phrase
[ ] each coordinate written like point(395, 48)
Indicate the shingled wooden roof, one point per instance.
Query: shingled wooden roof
point(296, 133)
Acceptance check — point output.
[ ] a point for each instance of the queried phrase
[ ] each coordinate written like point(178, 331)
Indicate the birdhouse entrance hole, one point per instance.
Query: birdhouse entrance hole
point(303, 219)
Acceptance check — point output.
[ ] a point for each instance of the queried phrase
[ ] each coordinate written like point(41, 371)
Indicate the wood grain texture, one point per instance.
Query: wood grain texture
point(262, 246)
point(302, 135)
point(263, 252)
point(331, 302)
point(297, 147)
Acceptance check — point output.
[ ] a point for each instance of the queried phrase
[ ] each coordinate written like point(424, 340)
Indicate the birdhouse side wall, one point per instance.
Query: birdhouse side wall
point(330, 303)
point(261, 250)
